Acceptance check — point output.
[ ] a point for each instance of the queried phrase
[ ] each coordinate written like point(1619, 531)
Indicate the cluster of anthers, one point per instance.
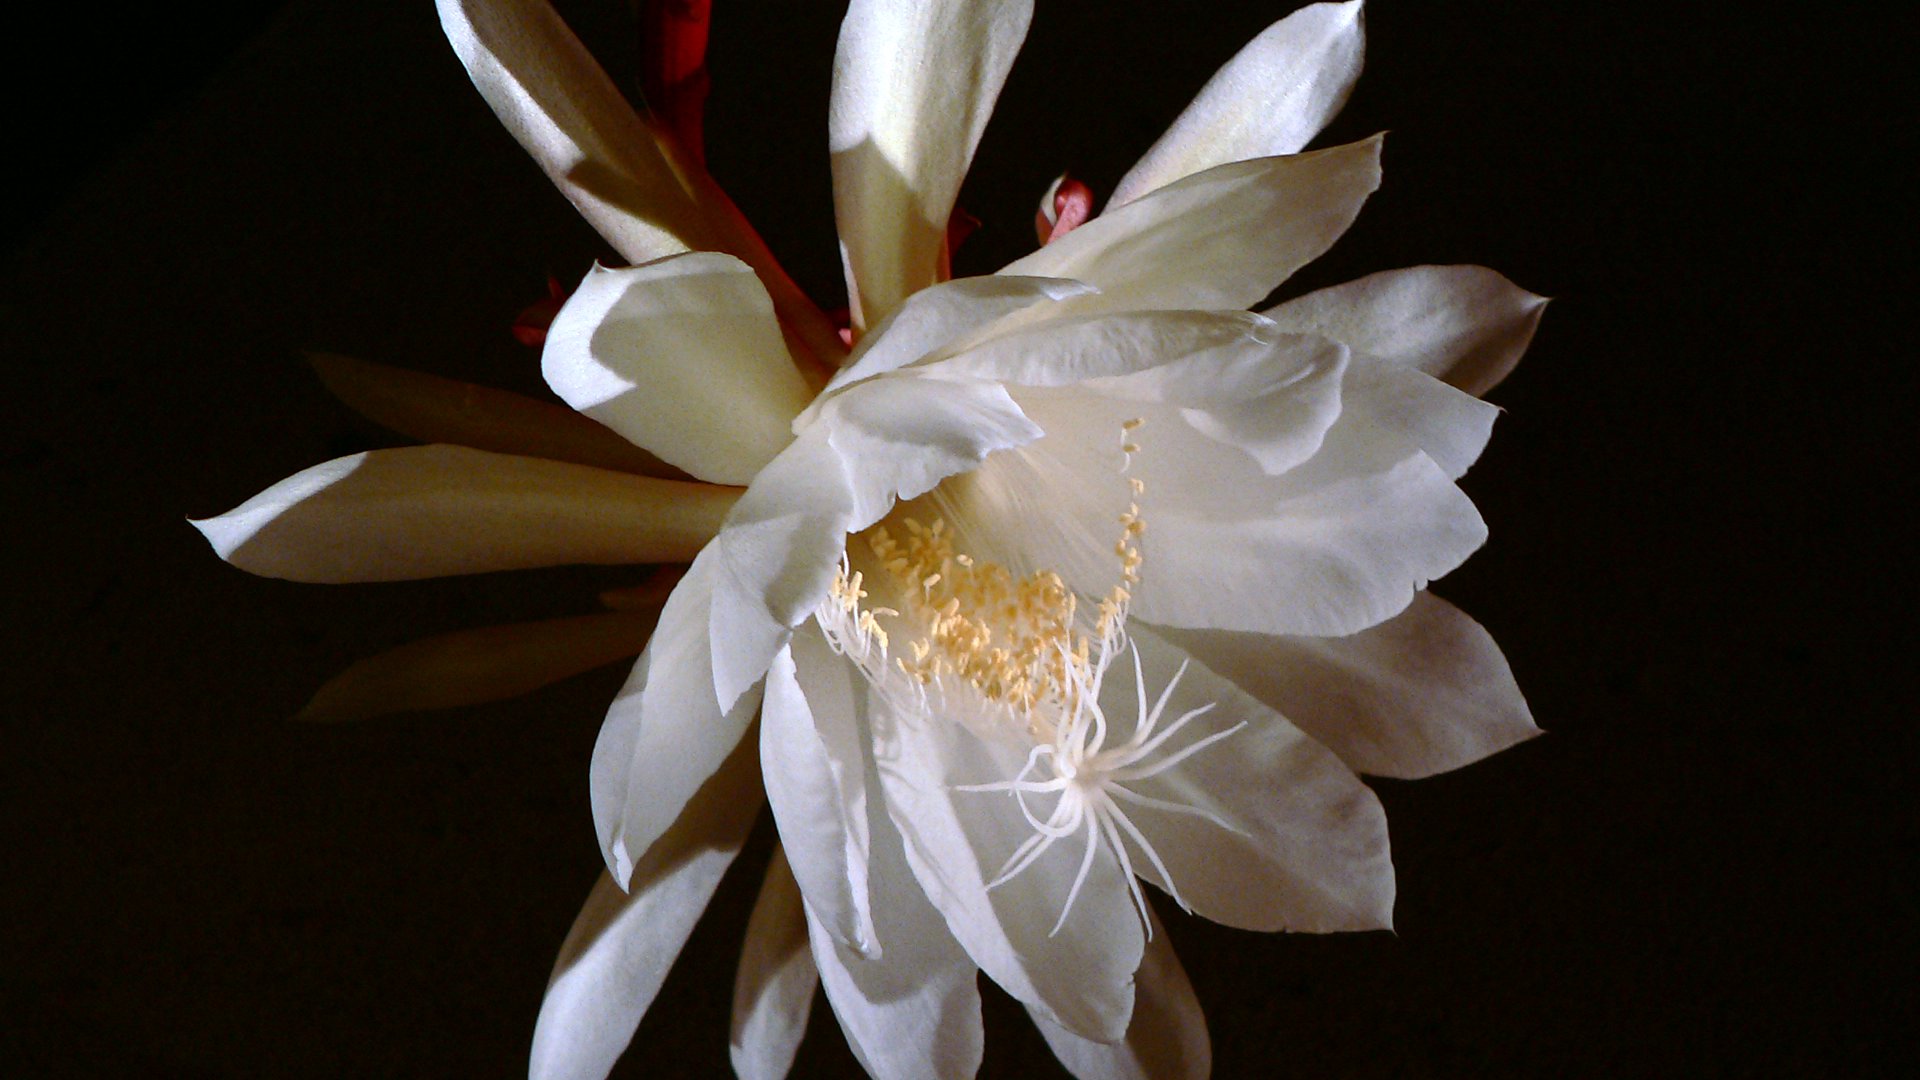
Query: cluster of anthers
point(998, 649)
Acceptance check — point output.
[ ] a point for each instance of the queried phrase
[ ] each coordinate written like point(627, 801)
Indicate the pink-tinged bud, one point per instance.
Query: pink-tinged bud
point(530, 326)
point(1065, 207)
point(673, 68)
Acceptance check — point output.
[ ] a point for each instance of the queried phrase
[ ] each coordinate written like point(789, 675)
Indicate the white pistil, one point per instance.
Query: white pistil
point(1090, 779)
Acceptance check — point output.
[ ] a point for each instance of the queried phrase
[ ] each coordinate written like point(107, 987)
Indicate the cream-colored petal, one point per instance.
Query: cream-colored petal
point(1451, 425)
point(1422, 693)
point(684, 357)
point(913, 84)
point(773, 992)
point(1466, 325)
point(434, 409)
point(468, 667)
point(623, 943)
point(913, 1013)
point(429, 511)
point(812, 758)
point(1306, 846)
point(569, 116)
point(1272, 98)
point(1167, 1038)
point(665, 733)
point(1221, 239)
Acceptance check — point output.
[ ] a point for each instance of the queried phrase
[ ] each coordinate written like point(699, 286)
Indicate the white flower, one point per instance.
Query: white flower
point(950, 536)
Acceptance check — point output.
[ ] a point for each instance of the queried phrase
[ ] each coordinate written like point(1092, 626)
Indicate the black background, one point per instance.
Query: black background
point(1698, 565)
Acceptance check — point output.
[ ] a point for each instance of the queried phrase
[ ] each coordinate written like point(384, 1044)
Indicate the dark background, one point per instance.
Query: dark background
point(1698, 564)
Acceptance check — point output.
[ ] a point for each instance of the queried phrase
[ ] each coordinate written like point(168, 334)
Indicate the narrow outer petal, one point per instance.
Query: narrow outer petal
point(468, 667)
point(773, 993)
point(1422, 693)
point(1221, 239)
point(684, 357)
point(429, 511)
point(1272, 98)
point(815, 771)
point(549, 92)
point(913, 84)
point(617, 954)
point(665, 733)
point(914, 1014)
point(1167, 1038)
point(1466, 325)
point(434, 409)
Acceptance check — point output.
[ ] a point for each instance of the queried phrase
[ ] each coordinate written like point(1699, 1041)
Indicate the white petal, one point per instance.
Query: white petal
point(486, 663)
point(1272, 98)
point(773, 992)
point(775, 558)
point(1452, 426)
point(1464, 324)
point(815, 772)
point(901, 435)
point(1308, 849)
point(1223, 238)
point(564, 110)
point(915, 1012)
point(684, 357)
point(1422, 693)
point(913, 84)
point(665, 733)
point(1167, 1039)
point(428, 511)
point(1332, 547)
point(957, 841)
point(943, 314)
point(621, 946)
point(1230, 375)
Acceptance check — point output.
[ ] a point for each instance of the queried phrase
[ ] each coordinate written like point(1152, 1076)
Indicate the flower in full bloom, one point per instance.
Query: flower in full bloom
point(1056, 581)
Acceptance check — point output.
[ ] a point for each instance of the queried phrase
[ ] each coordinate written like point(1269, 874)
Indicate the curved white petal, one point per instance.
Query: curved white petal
point(915, 1012)
point(684, 357)
point(773, 991)
point(563, 109)
point(1452, 426)
point(1332, 547)
point(1272, 98)
point(428, 511)
point(775, 557)
point(1464, 324)
point(665, 733)
point(1422, 693)
point(901, 435)
point(1223, 238)
point(815, 772)
point(1228, 374)
point(913, 84)
point(620, 948)
point(1167, 1039)
point(1307, 847)
point(941, 315)
point(958, 841)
